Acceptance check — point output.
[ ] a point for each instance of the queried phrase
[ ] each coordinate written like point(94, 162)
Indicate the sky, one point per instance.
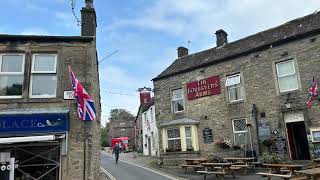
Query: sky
point(146, 33)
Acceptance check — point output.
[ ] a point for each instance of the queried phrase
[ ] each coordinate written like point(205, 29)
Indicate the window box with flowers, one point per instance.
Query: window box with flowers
point(223, 143)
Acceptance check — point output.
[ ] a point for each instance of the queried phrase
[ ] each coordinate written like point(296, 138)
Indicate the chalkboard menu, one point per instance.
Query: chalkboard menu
point(280, 145)
point(207, 135)
point(264, 130)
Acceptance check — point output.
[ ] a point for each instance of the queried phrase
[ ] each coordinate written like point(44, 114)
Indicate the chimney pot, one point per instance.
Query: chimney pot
point(222, 37)
point(182, 51)
point(88, 19)
point(89, 3)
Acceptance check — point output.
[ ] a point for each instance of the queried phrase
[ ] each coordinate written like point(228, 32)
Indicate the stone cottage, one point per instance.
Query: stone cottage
point(40, 131)
point(249, 95)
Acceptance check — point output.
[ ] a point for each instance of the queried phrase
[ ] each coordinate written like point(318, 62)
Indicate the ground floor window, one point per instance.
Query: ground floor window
point(181, 138)
point(239, 131)
point(174, 141)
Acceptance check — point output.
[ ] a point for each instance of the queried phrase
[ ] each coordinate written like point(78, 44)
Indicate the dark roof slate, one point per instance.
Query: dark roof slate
point(292, 30)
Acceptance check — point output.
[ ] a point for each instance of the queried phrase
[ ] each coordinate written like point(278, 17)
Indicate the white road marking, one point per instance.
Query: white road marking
point(154, 171)
point(107, 173)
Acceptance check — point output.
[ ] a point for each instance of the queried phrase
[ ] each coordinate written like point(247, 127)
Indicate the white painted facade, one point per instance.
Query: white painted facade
point(150, 133)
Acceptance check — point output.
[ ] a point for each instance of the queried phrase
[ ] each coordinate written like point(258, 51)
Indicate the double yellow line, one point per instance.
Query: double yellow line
point(107, 173)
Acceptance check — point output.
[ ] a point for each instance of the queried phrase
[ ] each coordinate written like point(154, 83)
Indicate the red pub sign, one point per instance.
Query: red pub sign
point(204, 87)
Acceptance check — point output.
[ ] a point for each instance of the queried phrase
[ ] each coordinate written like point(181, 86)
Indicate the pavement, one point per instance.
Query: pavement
point(133, 166)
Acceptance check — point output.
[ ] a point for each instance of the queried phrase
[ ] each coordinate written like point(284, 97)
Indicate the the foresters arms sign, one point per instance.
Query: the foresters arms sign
point(204, 87)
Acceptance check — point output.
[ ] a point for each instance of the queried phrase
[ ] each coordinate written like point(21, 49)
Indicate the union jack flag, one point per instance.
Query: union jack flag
point(313, 92)
point(85, 104)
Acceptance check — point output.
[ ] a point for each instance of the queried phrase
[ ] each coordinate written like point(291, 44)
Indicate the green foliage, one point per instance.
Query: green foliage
point(120, 114)
point(104, 136)
point(270, 158)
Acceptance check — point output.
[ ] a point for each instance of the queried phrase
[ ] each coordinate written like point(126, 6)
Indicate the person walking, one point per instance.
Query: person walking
point(116, 151)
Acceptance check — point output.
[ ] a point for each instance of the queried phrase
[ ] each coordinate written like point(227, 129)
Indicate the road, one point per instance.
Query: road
point(125, 171)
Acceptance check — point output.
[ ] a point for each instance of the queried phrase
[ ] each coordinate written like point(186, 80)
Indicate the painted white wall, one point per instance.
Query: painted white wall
point(149, 128)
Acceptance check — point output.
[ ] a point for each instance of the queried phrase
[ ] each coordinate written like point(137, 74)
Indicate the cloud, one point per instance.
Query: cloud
point(194, 18)
point(34, 31)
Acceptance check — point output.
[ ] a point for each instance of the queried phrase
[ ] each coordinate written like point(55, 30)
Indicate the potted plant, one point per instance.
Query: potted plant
point(224, 143)
point(212, 157)
point(270, 158)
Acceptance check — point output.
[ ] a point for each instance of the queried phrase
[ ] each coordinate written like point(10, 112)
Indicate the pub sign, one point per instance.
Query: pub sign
point(204, 87)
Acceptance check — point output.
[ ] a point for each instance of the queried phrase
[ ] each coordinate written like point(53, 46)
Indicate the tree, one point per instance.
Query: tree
point(104, 136)
point(116, 114)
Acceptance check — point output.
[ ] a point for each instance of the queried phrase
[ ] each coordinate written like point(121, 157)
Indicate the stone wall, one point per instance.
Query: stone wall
point(82, 57)
point(260, 88)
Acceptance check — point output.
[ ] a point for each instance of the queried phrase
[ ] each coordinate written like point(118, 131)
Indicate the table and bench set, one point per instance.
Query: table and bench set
point(230, 166)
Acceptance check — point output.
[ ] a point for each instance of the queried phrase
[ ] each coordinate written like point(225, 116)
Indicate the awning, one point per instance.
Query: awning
point(183, 121)
point(12, 140)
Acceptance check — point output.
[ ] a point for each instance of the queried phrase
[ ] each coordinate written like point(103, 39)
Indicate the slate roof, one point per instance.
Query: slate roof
point(292, 30)
point(43, 38)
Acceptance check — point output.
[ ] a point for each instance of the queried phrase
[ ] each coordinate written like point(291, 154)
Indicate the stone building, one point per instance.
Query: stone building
point(122, 126)
point(251, 90)
point(39, 126)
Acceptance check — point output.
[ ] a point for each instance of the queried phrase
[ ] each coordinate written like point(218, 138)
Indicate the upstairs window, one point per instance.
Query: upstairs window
point(287, 76)
point(177, 100)
point(239, 131)
point(234, 88)
point(43, 76)
point(11, 75)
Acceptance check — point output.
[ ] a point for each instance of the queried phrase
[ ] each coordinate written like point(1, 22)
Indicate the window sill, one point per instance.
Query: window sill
point(288, 92)
point(178, 112)
point(236, 102)
point(181, 152)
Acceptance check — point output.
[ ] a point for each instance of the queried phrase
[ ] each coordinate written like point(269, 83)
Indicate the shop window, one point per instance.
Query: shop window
point(43, 76)
point(234, 88)
point(177, 100)
point(188, 138)
point(174, 141)
point(287, 76)
point(239, 131)
point(11, 75)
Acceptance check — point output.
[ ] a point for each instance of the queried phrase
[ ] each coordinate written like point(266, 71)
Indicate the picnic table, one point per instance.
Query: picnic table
point(241, 162)
point(219, 169)
point(195, 163)
point(316, 162)
point(313, 173)
point(275, 170)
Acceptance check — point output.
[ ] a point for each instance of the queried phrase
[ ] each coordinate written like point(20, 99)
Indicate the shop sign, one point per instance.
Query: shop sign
point(204, 87)
point(33, 123)
point(207, 135)
point(280, 145)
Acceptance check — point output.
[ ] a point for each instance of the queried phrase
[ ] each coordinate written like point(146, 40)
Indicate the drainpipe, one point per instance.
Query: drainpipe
point(255, 118)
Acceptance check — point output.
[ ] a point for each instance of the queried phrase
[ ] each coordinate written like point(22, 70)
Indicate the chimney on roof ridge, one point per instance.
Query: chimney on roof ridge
point(88, 19)
point(182, 51)
point(222, 37)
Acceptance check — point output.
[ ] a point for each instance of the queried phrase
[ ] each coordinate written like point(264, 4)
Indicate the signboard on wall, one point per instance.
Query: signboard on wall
point(33, 123)
point(204, 87)
point(264, 130)
point(207, 135)
point(280, 145)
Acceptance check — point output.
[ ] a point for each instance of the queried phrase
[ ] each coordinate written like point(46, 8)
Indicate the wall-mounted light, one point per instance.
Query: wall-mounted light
point(288, 105)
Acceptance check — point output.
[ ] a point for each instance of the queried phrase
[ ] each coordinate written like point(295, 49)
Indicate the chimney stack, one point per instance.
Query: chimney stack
point(182, 51)
point(88, 19)
point(222, 37)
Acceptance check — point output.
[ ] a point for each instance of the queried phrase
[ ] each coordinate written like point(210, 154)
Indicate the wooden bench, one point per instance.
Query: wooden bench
point(194, 166)
point(217, 173)
point(245, 166)
point(269, 175)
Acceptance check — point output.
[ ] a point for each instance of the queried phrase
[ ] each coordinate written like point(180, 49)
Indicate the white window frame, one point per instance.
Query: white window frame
point(174, 138)
point(238, 85)
point(172, 100)
point(237, 132)
point(12, 73)
point(188, 137)
point(286, 75)
point(311, 132)
point(43, 72)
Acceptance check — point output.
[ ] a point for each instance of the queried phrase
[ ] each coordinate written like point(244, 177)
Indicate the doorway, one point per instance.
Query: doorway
point(149, 147)
point(298, 141)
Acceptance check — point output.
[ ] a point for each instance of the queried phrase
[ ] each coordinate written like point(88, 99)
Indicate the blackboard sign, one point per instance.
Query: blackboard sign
point(207, 135)
point(280, 145)
point(264, 130)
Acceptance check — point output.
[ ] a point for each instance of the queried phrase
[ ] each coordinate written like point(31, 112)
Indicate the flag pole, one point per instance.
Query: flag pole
point(84, 150)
